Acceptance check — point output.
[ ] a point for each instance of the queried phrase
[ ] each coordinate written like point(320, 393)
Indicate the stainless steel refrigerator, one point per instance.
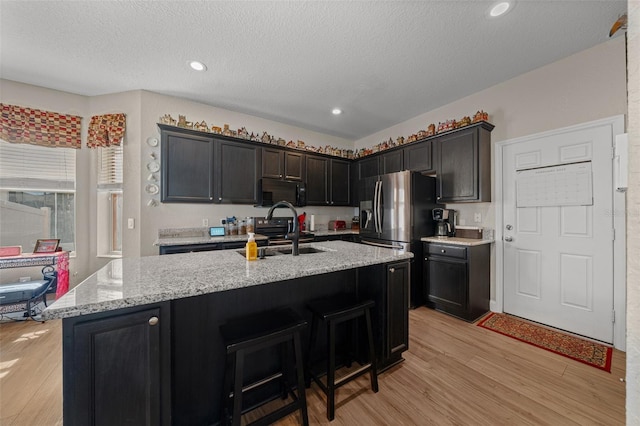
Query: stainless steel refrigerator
point(395, 212)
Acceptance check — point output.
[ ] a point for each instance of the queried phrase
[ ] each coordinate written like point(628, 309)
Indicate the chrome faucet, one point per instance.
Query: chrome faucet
point(294, 236)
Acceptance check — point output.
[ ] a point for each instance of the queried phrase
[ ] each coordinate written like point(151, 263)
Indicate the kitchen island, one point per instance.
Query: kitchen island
point(140, 337)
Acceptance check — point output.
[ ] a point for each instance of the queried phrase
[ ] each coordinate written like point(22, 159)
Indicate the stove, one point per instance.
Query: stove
point(277, 228)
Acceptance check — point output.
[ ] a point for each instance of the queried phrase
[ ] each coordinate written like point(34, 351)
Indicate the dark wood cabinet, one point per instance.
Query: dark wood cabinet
point(317, 182)
point(237, 172)
point(464, 165)
point(280, 164)
point(294, 166)
point(397, 339)
point(328, 181)
point(456, 279)
point(339, 182)
point(388, 286)
point(192, 248)
point(418, 157)
point(272, 163)
point(117, 368)
point(202, 169)
point(391, 162)
point(368, 167)
point(187, 168)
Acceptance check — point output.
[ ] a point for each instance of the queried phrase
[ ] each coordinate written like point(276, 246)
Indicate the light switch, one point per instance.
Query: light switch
point(131, 223)
point(477, 217)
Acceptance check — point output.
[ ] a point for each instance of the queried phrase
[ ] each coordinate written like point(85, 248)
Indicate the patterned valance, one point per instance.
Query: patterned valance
point(106, 130)
point(33, 126)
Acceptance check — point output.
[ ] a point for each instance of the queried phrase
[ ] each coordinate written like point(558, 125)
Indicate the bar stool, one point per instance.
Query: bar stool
point(252, 333)
point(333, 311)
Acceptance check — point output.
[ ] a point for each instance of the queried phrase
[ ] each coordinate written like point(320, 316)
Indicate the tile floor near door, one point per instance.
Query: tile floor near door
point(454, 373)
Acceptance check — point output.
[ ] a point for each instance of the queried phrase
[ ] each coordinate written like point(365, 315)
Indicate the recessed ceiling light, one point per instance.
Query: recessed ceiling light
point(197, 65)
point(499, 9)
point(336, 111)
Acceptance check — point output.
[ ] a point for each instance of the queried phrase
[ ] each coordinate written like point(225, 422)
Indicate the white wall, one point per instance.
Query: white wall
point(129, 104)
point(66, 103)
point(633, 218)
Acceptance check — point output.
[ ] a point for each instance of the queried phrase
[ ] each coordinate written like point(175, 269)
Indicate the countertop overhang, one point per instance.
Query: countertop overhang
point(457, 241)
point(132, 282)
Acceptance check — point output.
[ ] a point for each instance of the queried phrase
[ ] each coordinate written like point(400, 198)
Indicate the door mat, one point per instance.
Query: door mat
point(594, 354)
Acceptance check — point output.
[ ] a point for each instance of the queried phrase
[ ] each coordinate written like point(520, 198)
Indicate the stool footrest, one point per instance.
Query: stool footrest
point(259, 383)
point(352, 375)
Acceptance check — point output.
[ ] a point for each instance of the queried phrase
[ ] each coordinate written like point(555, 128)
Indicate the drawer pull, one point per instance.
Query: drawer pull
point(443, 251)
point(153, 320)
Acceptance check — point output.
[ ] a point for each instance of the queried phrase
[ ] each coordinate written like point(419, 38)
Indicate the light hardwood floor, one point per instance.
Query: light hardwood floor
point(455, 373)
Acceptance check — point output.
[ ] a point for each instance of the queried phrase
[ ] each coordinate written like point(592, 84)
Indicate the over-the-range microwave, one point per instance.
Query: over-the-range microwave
point(273, 190)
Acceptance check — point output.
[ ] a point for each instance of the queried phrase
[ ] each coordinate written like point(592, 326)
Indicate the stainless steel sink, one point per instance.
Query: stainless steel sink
point(301, 250)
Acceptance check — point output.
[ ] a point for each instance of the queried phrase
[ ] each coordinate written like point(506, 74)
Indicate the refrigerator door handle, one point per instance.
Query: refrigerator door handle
point(379, 207)
point(375, 207)
point(390, 246)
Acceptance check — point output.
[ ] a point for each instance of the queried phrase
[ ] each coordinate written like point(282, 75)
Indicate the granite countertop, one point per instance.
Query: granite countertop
point(182, 241)
point(137, 281)
point(457, 241)
point(332, 232)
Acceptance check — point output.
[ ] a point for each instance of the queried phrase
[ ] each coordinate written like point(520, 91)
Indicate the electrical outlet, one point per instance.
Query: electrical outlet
point(205, 222)
point(477, 217)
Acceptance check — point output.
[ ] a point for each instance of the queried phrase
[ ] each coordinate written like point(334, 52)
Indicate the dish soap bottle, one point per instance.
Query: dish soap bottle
point(251, 248)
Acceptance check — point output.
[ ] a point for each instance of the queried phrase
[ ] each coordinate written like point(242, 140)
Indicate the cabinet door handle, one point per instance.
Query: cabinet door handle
point(153, 320)
point(392, 270)
point(219, 198)
point(426, 259)
point(443, 251)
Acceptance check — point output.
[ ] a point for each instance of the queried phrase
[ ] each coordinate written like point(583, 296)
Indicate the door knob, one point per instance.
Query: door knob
point(508, 239)
point(509, 227)
point(153, 320)
point(392, 270)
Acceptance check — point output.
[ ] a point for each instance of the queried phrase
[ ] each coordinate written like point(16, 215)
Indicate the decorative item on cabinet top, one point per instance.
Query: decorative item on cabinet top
point(243, 133)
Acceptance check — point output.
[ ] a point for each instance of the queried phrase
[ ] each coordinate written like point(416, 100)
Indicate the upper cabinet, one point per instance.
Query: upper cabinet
point(197, 168)
point(368, 167)
point(391, 162)
point(418, 157)
point(237, 172)
point(280, 164)
point(328, 181)
point(187, 168)
point(464, 165)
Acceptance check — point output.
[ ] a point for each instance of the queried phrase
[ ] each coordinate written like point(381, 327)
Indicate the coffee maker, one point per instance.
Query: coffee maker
point(445, 222)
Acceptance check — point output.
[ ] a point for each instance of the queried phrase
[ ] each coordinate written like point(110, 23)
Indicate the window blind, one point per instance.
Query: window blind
point(110, 170)
point(37, 168)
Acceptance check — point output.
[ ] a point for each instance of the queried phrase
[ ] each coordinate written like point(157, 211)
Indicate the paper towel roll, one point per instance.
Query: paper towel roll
point(312, 226)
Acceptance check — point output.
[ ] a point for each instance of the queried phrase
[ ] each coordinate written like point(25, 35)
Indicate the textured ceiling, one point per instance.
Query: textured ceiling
point(382, 62)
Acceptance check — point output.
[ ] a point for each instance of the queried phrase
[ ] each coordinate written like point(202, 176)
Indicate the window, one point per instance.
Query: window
point(37, 195)
point(110, 178)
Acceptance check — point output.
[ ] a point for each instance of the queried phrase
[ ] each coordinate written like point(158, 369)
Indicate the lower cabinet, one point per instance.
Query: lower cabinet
point(192, 248)
point(352, 238)
point(456, 279)
point(117, 367)
point(388, 286)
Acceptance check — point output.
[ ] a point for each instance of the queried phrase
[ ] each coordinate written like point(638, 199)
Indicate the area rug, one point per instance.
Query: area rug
point(594, 354)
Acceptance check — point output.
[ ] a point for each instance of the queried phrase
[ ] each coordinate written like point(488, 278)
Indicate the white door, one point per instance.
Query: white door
point(558, 260)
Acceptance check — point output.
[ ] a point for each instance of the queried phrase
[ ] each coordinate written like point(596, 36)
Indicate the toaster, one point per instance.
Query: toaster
point(337, 225)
